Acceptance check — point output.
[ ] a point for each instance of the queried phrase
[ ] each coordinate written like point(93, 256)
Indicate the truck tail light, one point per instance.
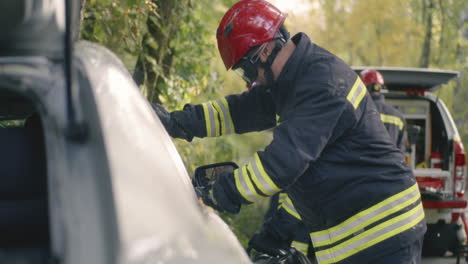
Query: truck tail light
point(436, 160)
point(459, 169)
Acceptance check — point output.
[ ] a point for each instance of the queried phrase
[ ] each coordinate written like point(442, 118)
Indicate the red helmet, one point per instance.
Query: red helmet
point(372, 79)
point(247, 24)
point(371, 76)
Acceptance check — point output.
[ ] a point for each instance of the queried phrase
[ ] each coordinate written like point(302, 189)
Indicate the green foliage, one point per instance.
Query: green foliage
point(118, 25)
point(11, 123)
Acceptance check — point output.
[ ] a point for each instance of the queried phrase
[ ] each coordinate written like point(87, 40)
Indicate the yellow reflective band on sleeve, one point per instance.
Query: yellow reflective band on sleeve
point(288, 206)
point(370, 237)
point(260, 177)
point(221, 116)
point(222, 109)
point(302, 247)
point(211, 120)
point(245, 186)
point(207, 120)
point(391, 119)
point(229, 124)
point(365, 218)
point(357, 92)
point(281, 198)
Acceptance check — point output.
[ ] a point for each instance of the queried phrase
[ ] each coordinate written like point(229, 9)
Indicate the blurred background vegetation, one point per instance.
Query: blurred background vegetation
point(169, 46)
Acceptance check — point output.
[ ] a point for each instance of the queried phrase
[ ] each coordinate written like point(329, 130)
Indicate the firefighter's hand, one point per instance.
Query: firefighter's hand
point(221, 197)
point(266, 242)
point(173, 122)
point(203, 194)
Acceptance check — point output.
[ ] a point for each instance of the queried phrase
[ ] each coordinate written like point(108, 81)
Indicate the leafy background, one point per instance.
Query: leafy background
point(170, 48)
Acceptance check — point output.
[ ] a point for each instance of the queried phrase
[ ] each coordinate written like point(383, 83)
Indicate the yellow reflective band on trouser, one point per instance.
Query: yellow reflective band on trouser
point(357, 92)
point(245, 185)
point(260, 177)
point(211, 120)
point(288, 206)
point(302, 247)
point(372, 236)
point(391, 119)
point(367, 217)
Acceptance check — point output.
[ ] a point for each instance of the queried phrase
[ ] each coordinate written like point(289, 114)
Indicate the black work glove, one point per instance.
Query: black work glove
point(267, 242)
point(291, 256)
point(221, 196)
point(176, 122)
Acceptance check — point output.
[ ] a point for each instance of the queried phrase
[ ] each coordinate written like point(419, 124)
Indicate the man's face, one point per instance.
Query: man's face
point(261, 79)
point(249, 66)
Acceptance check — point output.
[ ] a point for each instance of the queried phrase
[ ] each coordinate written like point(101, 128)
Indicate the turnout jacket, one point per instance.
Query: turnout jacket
point(393, 121)
point(282, 218)
point(330, 152)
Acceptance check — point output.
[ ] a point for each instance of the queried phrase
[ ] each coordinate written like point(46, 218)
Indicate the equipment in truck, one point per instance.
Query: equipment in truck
point(436, 152)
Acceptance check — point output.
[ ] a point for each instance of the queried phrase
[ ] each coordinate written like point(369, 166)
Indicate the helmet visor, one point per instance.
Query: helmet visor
point(247, 65)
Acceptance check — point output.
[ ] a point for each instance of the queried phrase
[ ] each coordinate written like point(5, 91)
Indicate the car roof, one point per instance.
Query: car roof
point(412, 78)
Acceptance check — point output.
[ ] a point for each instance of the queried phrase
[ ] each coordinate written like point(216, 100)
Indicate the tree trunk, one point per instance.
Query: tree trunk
point(156, 46)
point(428, 7)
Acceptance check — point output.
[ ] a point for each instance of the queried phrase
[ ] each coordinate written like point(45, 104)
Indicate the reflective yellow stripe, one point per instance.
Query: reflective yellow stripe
point(366, 217)
point(282, 196)
point(391, 119)
point(207, 120)
point(211, 120)
point(302, 247)
point(357, 93)
point(227, 115)
point(372, 236)
point(289, 207)
point(260, 177)
point(221, 116)
point(245, 186)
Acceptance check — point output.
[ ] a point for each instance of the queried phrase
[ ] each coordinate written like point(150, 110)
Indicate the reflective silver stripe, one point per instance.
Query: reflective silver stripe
point(391, 119)
point(219, 113)
point(260, 177)
point(245, 186)
point(372, 236)
point(289, 207)
point(302, 247)
point(210, 119)
point(357, 92)
point(364, 218)
point(282, 196)
point(227, 116)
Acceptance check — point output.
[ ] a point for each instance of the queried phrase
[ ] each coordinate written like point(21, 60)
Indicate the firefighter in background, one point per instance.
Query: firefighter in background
point(390, 116)
point(356, 196)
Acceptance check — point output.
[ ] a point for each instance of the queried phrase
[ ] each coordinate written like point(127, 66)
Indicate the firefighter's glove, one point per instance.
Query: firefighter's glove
point(175, 122)
point(266, 242)
point(206, 195)
point(222, 197)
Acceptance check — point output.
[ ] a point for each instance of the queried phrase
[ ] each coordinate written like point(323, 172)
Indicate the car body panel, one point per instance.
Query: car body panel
point(157, 213)
point(121, 194)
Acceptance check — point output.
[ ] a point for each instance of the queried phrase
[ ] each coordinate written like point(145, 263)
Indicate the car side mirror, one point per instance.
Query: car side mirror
point(207, 175)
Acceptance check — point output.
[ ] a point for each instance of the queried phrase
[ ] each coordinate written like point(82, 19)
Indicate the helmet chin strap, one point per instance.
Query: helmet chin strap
point(266, 66)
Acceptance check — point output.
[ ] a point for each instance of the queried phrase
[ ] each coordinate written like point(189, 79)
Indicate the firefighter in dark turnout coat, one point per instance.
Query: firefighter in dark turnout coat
point(331, 153)
point(282, 226)
point(390, 116)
